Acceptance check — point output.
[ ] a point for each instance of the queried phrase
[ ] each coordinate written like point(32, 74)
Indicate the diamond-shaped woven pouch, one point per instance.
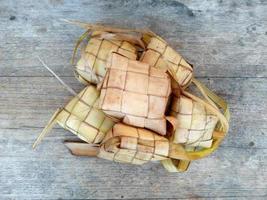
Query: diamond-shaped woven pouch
point(136, 93)
point(91, 67)
point(195, 123)
point(82, 117)
point(200, 124)
point(133, 145)
point(160, 55)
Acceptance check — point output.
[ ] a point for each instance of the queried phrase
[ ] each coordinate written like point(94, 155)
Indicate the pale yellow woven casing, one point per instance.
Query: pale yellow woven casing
point(160, 55)
point(195, 124)
point(136, 92)
point(82, 117)
point(128, 144)
point(91, 67)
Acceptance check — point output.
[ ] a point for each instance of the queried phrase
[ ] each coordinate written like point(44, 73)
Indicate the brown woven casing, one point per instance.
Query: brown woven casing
point(160, 55)
point(91, 67)
point(136, 92)
point(195, 123)
point(128, 144)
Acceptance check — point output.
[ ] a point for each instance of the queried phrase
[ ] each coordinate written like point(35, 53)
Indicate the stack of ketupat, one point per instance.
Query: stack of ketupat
point(136, 107)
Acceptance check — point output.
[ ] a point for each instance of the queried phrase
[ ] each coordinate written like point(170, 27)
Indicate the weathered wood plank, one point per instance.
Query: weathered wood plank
point(225, 40)
point(58, 174)
point(219, 38)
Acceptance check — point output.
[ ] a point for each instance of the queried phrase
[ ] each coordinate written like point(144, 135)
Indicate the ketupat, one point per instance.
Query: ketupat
point(126, 144)
point(133, 145)
point(195, 123)
point(82, 117)
point(102, 41)
point(136, 93)
point(194, 128)
point(91, 67)
point(160, 55)
point(211, 136)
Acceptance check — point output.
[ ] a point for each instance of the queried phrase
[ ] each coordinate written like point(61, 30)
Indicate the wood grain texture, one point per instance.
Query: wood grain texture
point(226, 42)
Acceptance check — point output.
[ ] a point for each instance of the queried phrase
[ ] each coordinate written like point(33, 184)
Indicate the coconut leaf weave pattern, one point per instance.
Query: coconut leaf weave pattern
point(136, 107)
point(82, 117)
point(160, 55)
point(195, 124)
point(128, 144)
point(91, 67)
point(136, 92)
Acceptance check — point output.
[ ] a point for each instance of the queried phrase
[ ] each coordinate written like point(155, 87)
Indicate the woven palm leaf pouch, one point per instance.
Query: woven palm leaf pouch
point(101, 41)
point(195, 123)
point(136, 93)
point(159, 54)
point(128, 144)
point(200, 125)
point(91, 67)
point(82, 117)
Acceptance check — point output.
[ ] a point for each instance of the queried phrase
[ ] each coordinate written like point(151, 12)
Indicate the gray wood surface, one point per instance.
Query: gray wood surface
point(225, 40)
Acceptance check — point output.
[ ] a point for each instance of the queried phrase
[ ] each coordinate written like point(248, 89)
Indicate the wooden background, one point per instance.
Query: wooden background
point(225, 40)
